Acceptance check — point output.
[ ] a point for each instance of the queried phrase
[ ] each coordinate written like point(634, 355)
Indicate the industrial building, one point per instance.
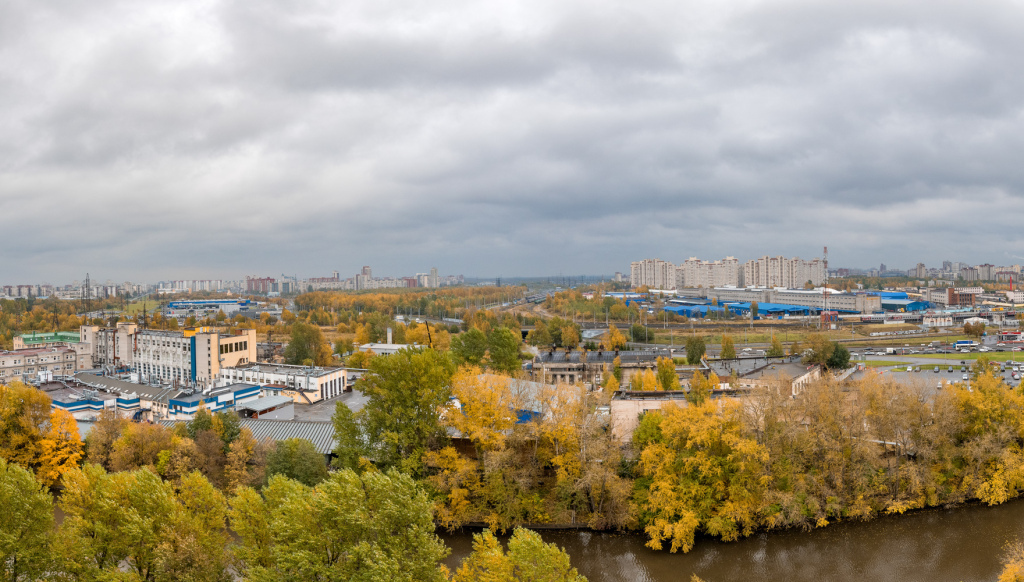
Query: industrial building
point(193, 357)
point(302, 384)
point(203, 308)
point(35, 364)
point(554, 366)
point(808, 298)
point(70, 339)
point(185, 405)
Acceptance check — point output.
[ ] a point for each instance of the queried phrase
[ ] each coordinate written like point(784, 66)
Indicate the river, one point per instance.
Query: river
point(961, 544)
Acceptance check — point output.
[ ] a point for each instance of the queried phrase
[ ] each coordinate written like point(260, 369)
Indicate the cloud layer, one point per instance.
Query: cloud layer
point(191, 138)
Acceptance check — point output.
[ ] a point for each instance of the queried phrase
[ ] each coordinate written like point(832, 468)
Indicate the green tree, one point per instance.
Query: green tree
point(349, 436)
point(640, 333)
point(26, 524)
point(753, 310)
point(503, 351)
point(470, 347)
point(307, 343)
point(297, 459)
point(840, 357)
point(137, 521)
point(201, 421)
point(227, 427)
point(695, 349)
point(539, 335)
point(529, 559)
point(405, 392)
point(112, 519)
point(795, 348)
point(343, 346)
point(374, 526)
point(728, 348)
point(776, 350)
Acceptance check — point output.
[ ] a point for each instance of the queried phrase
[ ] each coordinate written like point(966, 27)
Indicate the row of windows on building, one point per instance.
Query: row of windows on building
point(234, 347)
point(54, 368)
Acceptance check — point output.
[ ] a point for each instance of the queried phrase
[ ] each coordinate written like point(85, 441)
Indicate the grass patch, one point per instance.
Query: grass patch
point(992, 356)
point(137, 307)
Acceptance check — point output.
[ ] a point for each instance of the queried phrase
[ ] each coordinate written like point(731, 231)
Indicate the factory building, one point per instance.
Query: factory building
point(193, 357)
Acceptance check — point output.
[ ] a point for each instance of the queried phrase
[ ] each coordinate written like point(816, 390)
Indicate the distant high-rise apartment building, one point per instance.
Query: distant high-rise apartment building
point(653, 273)
point(782, 272)
point(694, 272)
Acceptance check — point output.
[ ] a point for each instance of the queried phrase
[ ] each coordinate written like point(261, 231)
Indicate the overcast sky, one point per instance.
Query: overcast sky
point(196, 139)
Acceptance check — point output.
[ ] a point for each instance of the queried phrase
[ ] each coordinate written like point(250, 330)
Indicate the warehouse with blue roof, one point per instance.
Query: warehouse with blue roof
point(904, 305)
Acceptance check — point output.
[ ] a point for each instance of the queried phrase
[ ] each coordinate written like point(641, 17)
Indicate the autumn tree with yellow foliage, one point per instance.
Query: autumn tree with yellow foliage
point(61, 448)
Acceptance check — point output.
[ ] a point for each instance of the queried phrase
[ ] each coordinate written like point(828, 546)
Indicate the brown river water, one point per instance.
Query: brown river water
point(960, 544)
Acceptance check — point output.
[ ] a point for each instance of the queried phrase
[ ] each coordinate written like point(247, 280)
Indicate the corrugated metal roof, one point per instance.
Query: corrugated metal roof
point(266, 403)
point(321, 434)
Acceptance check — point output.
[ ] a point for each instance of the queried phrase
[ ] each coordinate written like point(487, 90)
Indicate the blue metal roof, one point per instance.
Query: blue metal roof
point(769, 308)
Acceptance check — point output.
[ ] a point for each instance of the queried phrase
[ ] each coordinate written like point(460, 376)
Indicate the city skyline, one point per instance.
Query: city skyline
point(197, 139)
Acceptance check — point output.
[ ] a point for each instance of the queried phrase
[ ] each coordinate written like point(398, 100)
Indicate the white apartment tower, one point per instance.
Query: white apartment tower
point(653, 273)
point(697, 273)
point(782, 272)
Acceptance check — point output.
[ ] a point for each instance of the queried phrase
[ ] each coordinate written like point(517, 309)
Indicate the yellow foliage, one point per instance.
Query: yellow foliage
point(615, 339)
point(488, 407)
point(457, 478)
point(705, 474)
point(645, 381)
point(61, 448)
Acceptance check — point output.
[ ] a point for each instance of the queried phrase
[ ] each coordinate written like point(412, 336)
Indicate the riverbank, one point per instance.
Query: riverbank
point(963, 543)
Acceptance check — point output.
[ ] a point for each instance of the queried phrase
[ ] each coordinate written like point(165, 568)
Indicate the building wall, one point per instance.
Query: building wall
point(26, 364)
point(307, 385)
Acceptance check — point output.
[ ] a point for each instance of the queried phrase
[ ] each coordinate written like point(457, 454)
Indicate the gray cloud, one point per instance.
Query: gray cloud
point(202, 138)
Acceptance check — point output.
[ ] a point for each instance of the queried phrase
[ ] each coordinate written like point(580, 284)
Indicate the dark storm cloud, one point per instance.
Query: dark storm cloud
point(223, 138)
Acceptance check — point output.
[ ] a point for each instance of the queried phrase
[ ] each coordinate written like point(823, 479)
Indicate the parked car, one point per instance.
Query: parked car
point(965, 378)
point(950, 370)
point(935, 369)
point(910, 368)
